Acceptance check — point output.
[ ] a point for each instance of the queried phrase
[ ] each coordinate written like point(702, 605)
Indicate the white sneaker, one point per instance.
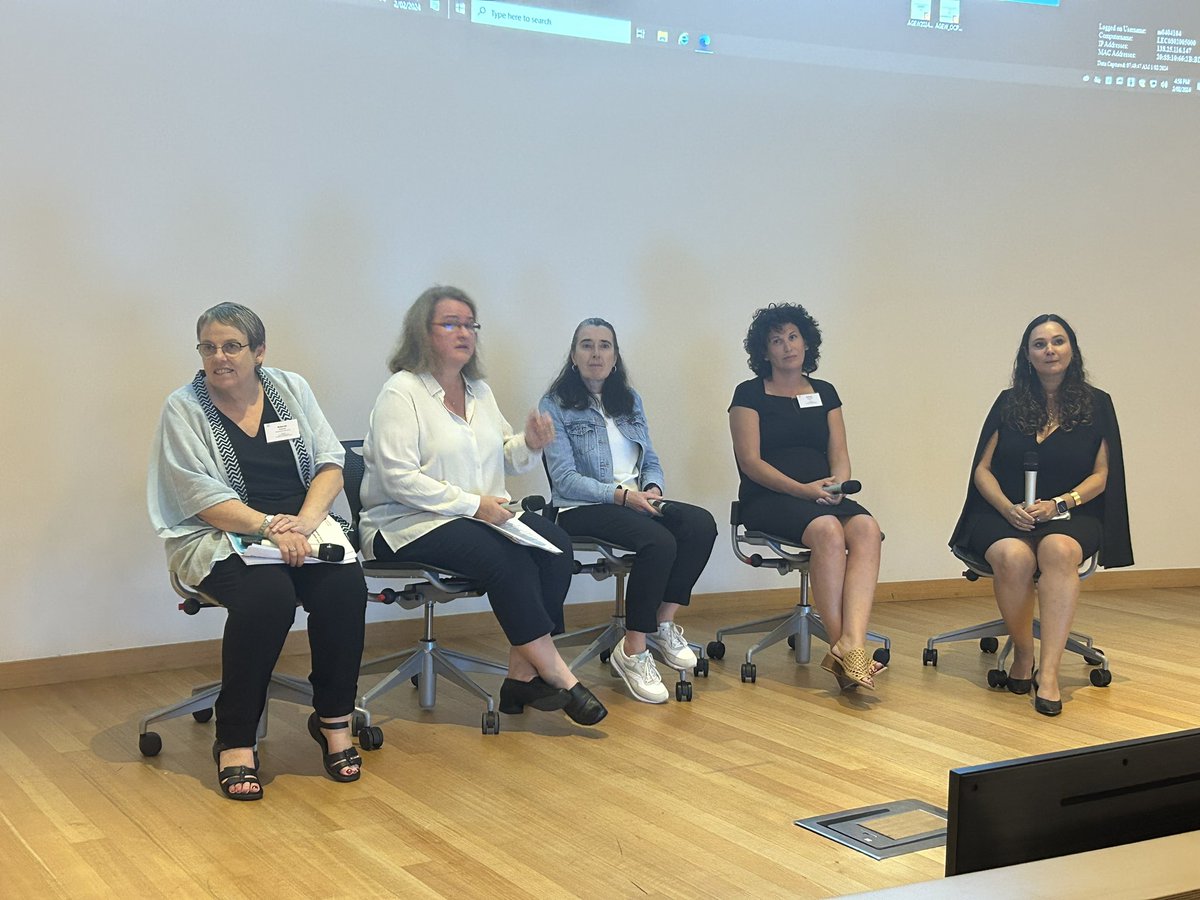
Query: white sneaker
point(639, 674)
point(674, 647)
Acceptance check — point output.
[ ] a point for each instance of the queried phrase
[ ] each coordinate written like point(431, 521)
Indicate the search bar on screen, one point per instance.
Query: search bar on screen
point(551, 21)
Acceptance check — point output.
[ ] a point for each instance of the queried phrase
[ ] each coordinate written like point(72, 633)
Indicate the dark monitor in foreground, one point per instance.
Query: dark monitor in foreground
point(1056, 804)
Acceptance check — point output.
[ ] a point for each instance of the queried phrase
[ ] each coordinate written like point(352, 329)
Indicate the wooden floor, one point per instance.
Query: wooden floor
point(685, 800)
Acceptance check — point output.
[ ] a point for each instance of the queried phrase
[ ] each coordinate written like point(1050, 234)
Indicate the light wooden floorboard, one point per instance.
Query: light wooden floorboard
point(686, 800)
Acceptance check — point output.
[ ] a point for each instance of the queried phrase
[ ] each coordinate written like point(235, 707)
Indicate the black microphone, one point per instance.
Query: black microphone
point(1031, 467)
point(532, 503)
point(843, 487)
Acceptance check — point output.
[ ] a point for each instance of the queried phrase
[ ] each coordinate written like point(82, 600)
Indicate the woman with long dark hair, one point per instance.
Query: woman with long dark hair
point(1052, 411)
point(607, 482)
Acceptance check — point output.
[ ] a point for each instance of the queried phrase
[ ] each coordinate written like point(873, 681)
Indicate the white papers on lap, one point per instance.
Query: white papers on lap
point(520, 533)
point(265, 553)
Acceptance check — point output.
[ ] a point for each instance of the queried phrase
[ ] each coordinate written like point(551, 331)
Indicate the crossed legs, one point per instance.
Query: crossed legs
point(844, 572)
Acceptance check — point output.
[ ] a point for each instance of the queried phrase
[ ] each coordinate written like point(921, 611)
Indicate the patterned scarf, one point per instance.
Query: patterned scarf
point(229, 460)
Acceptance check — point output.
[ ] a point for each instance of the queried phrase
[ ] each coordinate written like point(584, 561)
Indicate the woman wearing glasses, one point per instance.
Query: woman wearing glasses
point(245, 450)
point(436, 454)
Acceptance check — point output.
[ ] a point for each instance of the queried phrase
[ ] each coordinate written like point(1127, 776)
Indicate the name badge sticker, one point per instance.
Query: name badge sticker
point(282, 431)
point(808, 400)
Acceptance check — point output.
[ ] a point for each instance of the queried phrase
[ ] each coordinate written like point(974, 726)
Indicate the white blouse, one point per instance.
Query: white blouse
point(426, 466)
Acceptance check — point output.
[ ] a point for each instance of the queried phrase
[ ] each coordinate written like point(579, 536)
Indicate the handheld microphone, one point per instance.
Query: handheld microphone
point(1031, 467)
point(843, 487)
point(532, 503)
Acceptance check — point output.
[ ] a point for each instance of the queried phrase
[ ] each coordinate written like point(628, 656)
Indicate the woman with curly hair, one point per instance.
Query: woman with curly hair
point(789, 439)
point(1053, 412)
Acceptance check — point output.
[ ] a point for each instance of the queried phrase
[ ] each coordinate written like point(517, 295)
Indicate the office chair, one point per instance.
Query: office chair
point(798, 626)
point(200, 703)
point(427, 586)
point(987, 633)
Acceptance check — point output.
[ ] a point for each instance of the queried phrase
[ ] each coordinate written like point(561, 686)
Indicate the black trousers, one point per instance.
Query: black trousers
point(525, 586)
point(672, 550)
point(261, 601)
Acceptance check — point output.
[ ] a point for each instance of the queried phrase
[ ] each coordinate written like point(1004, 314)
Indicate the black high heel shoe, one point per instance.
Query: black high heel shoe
point(1020, 685)
point(583, 707)
point(516, 695)
point(1045, 707)
point(231, 775)
point(342, 759)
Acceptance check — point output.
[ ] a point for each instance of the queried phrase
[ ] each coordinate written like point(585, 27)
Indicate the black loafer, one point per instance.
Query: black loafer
point(1020, 685)
point(516, 695)
point(583, 707)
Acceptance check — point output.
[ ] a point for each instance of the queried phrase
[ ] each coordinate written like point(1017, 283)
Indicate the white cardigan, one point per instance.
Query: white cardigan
point(426, 466)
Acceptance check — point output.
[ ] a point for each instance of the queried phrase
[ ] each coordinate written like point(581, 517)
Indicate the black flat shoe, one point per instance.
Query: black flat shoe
point(231, 775)
point(583, 707)
point(334, 762)
point(1045, 707)
point(516, 695)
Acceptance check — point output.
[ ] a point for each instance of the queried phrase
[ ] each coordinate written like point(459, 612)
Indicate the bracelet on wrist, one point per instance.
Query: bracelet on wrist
point(266, 523)
point(1076, 499)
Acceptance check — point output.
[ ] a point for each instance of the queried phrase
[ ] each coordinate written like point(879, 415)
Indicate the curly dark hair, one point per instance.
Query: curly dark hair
point(772, 318)
point(569, 390)
point(1025, 408)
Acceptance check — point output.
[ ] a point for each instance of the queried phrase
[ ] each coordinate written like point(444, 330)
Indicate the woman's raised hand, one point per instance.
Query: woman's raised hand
point(539, 430)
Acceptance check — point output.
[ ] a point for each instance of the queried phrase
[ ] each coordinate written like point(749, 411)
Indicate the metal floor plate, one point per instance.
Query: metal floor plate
point(884, 830)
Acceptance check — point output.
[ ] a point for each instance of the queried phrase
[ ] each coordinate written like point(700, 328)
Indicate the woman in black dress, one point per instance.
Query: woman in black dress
point(1053, 412)
point(789, 439)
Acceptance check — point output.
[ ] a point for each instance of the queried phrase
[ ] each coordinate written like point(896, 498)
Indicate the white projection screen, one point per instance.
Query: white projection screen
point(925, 176)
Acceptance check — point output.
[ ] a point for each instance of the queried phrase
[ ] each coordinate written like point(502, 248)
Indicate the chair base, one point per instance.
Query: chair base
point(802, 624)
point(200, 706)
point(987, 634)
point(425, 664)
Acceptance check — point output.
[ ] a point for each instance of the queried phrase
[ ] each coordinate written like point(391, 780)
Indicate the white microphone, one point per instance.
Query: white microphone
point(1031, 467)
point(843, 487)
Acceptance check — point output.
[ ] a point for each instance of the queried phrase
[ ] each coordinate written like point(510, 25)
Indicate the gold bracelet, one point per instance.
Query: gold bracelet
point(1075, 496)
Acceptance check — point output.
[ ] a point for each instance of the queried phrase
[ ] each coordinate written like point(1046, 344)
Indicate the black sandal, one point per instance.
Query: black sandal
point(231, 775)
point(335, 762)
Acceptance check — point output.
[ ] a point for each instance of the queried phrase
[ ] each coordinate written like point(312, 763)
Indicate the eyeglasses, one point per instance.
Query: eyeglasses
point(452, 325)
point(229, 348)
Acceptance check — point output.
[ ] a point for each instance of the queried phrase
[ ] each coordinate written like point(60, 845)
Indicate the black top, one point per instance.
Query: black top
point(1065, 458)
point(269, 470)
point(792, 438)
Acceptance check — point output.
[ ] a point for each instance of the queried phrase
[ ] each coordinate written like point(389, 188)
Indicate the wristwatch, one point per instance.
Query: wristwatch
point(1060, 504)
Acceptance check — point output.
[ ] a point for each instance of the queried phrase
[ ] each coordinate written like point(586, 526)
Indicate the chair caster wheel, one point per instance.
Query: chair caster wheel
point(491, 722)
point(370, 738)
point(715, 650)
point(149, 743)
point(700, 670)
point(989, 645)
point(1100, 677)
point(997, 678)
point(683, 691)
point(203, 715)
point(749, 673)
point(415, 682)
point(882, 656)
point(1092, 660)
point(792, 641)
point(605, 656)
point(929, 657)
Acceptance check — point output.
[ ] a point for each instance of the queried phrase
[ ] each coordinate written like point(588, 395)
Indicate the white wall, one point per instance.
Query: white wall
point(324, 167)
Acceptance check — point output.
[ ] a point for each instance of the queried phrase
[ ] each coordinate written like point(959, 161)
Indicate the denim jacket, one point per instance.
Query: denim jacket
point(579, 460)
